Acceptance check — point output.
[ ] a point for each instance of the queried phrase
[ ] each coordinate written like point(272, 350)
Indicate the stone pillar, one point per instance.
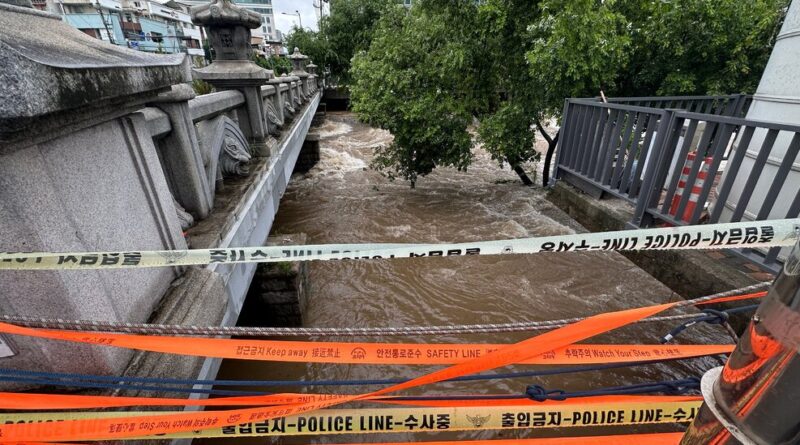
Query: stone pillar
point(297, 92)
point(298, 70)
point(290, 101)
point(228, 27)
point(79, 172)
point(312, 78)
point(180, 153)
point(277, 99)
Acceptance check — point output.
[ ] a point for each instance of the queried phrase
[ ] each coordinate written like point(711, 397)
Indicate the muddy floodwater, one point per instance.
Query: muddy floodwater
point(341, 200)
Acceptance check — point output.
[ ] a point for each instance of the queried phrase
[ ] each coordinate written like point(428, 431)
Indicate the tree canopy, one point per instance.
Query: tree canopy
point(429, 73)
point(347, 30)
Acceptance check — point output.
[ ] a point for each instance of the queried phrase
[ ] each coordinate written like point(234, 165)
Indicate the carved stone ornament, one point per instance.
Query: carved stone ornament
point(228, 28)
point(234, 158)
point(224, 13)
point(224, 149)
point(272, 117)
point(185, 219)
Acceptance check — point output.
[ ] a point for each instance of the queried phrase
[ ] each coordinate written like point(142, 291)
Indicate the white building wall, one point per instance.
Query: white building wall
point(777, 99)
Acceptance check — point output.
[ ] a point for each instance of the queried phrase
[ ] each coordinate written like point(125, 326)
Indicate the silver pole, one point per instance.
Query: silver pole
point(755, 397)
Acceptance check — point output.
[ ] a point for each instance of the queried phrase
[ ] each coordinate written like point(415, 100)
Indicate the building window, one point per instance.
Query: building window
point(137, 4)
point(264, 29)
point(128, 17)
point(270, 29)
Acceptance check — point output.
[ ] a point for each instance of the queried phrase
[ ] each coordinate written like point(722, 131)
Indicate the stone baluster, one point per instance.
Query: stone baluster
point(180, 153)
point(228, 27)
point(289, 98)
point(299, 97)
point(278, 99)
point(298, 70)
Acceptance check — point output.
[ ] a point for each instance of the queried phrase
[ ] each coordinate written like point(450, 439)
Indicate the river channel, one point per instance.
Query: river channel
point(341, 200)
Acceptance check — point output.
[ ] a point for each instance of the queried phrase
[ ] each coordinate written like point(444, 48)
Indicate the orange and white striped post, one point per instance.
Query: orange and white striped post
point(694, 196)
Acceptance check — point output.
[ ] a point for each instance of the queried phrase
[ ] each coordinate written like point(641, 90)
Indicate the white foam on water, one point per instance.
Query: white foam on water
point(398, 230)
point(332, 160)
point(333, 128)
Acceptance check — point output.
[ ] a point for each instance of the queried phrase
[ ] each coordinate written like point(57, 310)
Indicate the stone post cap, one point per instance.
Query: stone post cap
point(297, 55)
point(298, 60)
point(48, 67)
point(311, 68)
point(224, 13)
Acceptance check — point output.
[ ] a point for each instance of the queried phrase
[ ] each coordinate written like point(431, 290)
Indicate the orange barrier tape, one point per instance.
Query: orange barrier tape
point(623, 439)
point(158, 424)
point(32, 401)
point(734, 298)
point(366, 353)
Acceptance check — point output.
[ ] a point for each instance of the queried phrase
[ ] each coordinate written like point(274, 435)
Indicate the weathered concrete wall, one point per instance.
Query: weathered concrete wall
point(309, 154)
point(79, 172)
point(688, 273)
point(279, 293)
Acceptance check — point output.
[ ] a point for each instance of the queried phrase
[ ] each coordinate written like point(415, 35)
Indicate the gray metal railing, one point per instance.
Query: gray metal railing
point(604, 145)
point(734, 105)
point(679, 167)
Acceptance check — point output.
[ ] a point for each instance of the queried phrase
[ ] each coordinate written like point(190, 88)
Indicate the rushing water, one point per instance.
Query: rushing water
point(342, 201)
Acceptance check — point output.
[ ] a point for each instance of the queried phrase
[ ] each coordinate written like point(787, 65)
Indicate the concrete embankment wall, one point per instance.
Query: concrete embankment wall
point(689, 273)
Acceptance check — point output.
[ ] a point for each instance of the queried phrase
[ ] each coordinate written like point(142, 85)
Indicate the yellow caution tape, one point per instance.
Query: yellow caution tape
point(709, 236)
point(404, 420)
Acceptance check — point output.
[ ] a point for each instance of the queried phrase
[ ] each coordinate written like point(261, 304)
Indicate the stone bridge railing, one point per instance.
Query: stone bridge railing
point(104, 148)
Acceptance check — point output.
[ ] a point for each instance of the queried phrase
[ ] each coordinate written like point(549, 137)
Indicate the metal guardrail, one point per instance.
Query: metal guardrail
point(669, 163)
point(734, 105)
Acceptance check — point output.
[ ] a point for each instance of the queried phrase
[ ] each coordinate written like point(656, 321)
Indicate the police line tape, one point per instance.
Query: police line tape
point(570, 413)
point(711, 236)
point(621, 439)
point(80, 429)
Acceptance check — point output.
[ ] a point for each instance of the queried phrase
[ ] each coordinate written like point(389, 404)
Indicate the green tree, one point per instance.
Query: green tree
point(279, 65)
point(576, 49)
point(418, 81)
point(511, 64)
point(698, 46)
point(347, 30)
point(312, 44)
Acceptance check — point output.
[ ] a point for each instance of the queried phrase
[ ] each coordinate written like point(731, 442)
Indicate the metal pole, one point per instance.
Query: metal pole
point(754, 399)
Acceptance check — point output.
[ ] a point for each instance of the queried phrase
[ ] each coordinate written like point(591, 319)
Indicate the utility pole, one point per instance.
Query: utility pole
point(753, 399)
point(105, 24)
point(299, 18)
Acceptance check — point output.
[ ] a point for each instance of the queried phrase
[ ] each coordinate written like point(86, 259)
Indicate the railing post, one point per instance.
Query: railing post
point(180, 153)
point(228, 28)
point(649, 192)
point(561, 141)
point(298, 70)
point(741, 99)
point(753, 399)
